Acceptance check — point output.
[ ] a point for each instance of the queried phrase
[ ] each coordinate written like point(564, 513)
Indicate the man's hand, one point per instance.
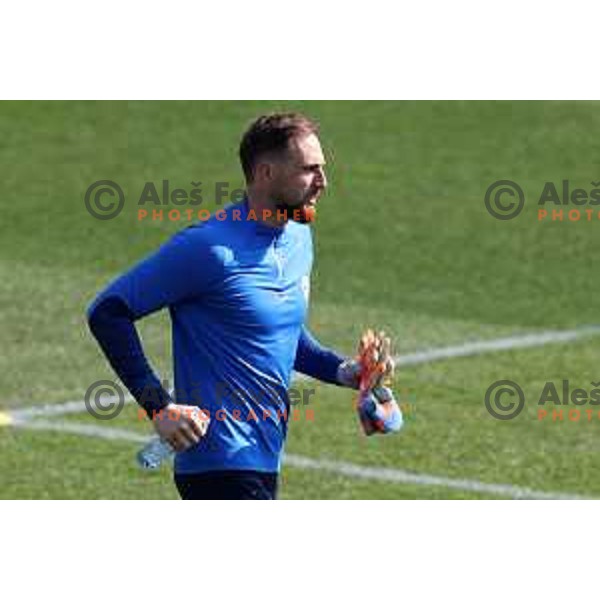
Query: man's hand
point(377, 408)
point(181, 425)
point(373, 366)
point(375, 360)
point(379, 412)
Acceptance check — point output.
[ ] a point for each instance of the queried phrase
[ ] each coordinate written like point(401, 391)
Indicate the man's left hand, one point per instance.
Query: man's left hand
point(379, 412)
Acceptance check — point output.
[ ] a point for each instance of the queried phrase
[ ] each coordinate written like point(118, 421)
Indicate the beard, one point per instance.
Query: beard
point(301, 213)
point(298, 210)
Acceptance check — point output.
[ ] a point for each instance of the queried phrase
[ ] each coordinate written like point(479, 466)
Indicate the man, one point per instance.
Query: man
point(237, 290)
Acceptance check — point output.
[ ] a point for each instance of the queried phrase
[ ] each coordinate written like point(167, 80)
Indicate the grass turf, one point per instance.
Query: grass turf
point(403, 241)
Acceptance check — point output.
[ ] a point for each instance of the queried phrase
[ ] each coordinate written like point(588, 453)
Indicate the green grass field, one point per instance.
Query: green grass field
point(403, 241)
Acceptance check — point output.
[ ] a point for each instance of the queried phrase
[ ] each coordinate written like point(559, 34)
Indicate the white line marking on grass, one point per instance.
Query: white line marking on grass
point(344, 469)
point(528, 340)
point(508, 343)
point(422, 479)
point(98, 431)
point(53, 410)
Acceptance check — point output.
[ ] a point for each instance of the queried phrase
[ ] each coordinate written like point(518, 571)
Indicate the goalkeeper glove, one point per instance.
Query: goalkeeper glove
point(377, 408)
point(379, 412)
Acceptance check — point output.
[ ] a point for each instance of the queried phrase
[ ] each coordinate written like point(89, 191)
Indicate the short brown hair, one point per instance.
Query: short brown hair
point(271, 134)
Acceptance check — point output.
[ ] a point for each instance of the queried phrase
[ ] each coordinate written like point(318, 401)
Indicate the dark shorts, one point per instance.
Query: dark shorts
point(227, 485)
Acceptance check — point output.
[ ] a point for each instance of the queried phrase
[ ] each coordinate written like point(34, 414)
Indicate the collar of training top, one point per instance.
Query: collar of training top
point(260, 227)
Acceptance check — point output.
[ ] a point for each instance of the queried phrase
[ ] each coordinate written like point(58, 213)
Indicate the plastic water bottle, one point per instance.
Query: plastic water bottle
point(154, 453)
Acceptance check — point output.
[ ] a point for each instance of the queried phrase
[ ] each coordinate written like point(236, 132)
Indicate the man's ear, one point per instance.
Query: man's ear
point(264, 172)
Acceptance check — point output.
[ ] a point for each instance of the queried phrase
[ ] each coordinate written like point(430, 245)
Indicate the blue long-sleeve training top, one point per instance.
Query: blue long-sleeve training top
point(237, 292)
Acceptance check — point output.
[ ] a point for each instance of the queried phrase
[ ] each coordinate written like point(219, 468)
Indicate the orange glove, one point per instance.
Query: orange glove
point(377, 408)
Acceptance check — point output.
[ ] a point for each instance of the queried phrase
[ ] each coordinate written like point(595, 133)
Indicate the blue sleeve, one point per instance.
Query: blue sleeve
point(316, 361)
point(111, 323)
point(185, 267)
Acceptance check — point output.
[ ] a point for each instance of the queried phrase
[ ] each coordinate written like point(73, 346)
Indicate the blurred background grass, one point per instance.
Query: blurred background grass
point(403, 240)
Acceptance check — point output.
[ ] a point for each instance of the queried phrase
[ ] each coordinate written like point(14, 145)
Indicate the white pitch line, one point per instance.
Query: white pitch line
point(423, 479)
point(331, 466)
point(529, 340)
point(52, 410)
point(98, 431)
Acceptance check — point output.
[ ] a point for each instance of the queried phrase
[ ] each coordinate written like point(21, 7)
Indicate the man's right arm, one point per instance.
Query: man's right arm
point(112, 324)
point(183, 268)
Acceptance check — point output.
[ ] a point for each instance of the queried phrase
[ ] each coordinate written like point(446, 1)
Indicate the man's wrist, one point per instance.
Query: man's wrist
point(154, 400)
point(348, 373)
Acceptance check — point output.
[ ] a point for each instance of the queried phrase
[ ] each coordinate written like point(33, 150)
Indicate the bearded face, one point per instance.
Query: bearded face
point(299, 179)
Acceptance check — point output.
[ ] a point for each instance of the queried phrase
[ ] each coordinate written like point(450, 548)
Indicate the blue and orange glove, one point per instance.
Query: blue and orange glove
point(377, 408)
point(379, 412)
